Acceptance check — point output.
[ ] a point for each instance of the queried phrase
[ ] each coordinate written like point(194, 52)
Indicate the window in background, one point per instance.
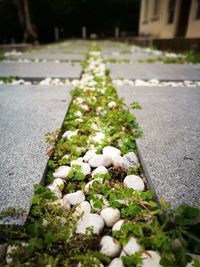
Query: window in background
point(146, 4)
point(156, 8)
point(171, 10)
point(197, 9)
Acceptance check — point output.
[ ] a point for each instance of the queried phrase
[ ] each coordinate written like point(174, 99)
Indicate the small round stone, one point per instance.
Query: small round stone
point(82, 208)
point(69, 134)
point(118, 161)
point(55, 190)
point(111, 151)
point(130, 160)
point(117, 226)
point(117, 262)
point(132, 246)
point(99, 170)
point(75, 198)
point(151, 259)
point(100, 160)
point(58, 182)
point(89, 154)
point(93, 221)
point(62, 172)
point(110, 247)
point(111, 104)
point(10, 250)
point(134, 182)
point(110, 216)
point(85, 167)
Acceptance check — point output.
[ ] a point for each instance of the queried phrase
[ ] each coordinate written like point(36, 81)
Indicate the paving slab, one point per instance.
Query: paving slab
point(147, 71)
point(134, 57)
point(170, 147)
point(27, 112)
point(40, 70)
point(78, 46)
point(48, 56)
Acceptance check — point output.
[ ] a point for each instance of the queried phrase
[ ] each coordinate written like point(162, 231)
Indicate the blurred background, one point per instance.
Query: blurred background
point(165, 24)
point(51, 19)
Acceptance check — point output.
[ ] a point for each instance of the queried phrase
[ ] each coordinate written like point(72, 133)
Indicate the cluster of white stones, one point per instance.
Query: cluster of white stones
point(12, 53)
point(46, 81)
point(156, 52)
point(155, 82)
point(98, 218)
point(94, 164)
point(16, 82)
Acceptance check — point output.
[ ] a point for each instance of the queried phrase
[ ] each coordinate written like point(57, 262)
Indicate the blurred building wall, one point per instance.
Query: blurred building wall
point(193, 30)
point(166, 19)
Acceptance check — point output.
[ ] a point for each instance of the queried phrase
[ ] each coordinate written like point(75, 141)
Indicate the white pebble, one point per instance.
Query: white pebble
point(80, 159)
point(69, 134)
point(111, 151)
point(150, 259)
point(117, 262)
point(100, 160)
point(99, 170)
point(85, 167)
point(78, 114)
point(62, 172)
point(98, 137)
point(58, 182)
point(55, 190)
point(10, 250)
point(110, 247)
point(111, 104)
point(75, 198)
point(118, 161)
point(134, 182)
point(89, 154)
point(130, 160)
point(90, 220)
point(132, 246)
point(110, 216)
point(117, 226)
point(82, 208)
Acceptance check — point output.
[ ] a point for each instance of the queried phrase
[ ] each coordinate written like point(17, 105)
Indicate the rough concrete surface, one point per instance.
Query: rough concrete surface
point(48, 56)
point(147, 71)
point(170, 146)
point(133, 57)
point(40, 70)
point(26, 114)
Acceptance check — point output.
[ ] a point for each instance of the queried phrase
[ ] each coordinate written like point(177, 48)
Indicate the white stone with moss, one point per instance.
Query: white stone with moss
point(90, 221)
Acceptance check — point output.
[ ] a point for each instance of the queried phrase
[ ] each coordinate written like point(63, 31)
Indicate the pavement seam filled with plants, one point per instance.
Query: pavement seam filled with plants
point(95, 208)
